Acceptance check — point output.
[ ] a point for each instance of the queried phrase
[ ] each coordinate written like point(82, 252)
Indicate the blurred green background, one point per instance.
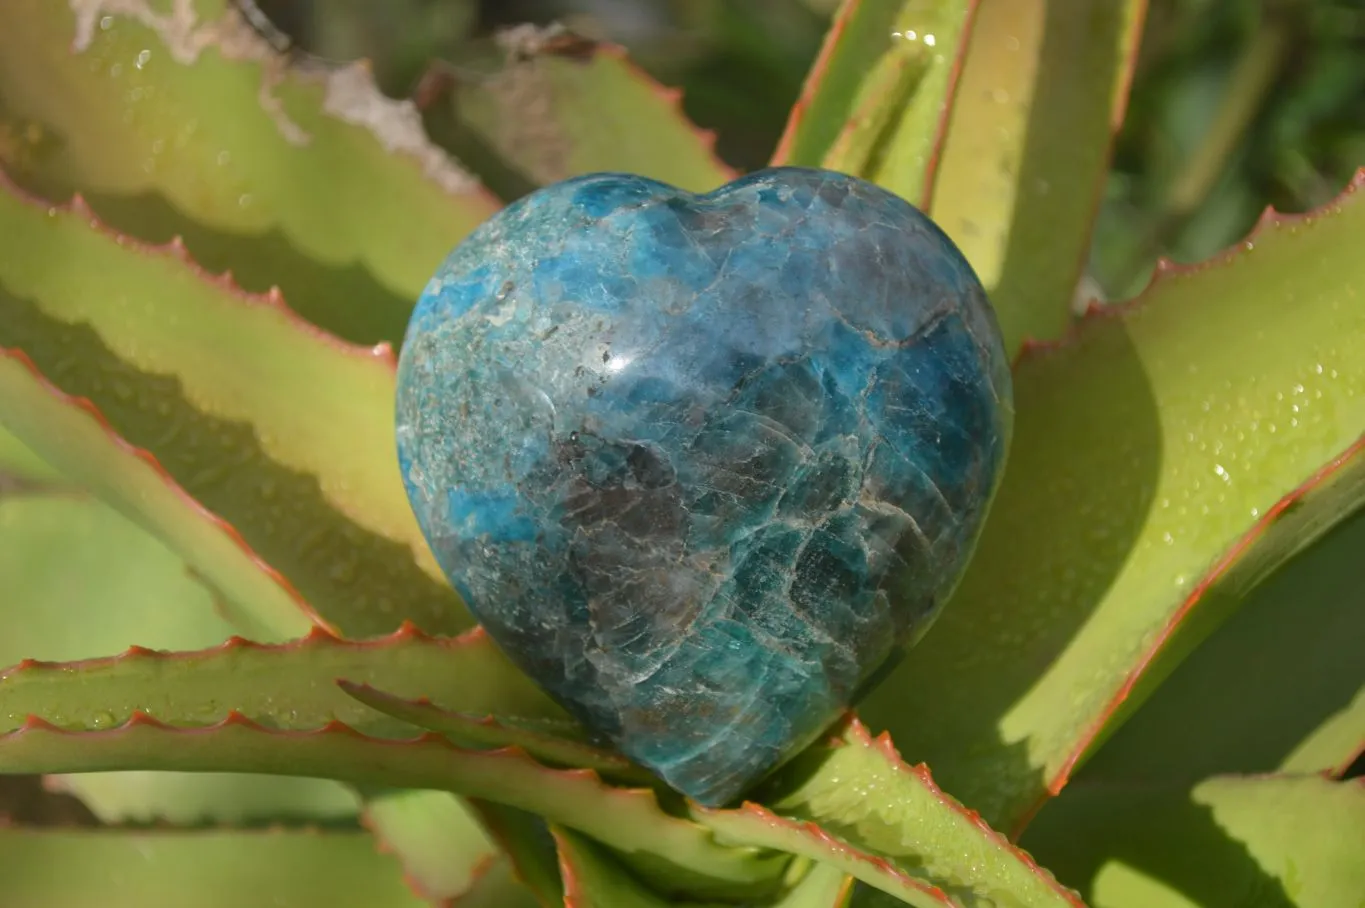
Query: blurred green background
point(1236, 104)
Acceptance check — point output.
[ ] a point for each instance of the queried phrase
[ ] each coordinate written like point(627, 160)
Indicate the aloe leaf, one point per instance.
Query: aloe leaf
point(443, 848)
point(43, 868)
point(488, 731)
point(909, 839)
point(19, 465)
point(79, 578)
point(1043, 89)
point(183, 122)
point(1266, 840)
point(678, 853)
point(876, 101)
point(895, 129)
point(530, 849)
point(561, 106)
point(193, 799)
point(286, 686)
point(593, 880)
point(498, 887)
point(77, 441)
point(1207, 410)
point(281, 431)
point(1241, 703)
point(823, 886)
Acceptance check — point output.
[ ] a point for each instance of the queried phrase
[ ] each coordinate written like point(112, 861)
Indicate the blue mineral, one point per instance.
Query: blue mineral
point(704, 464)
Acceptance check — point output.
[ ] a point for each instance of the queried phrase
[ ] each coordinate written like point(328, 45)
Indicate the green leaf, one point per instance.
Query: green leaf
point(1241, 703)
point(1165, 447)
point(876, 101)
point(593, 880)
point(467, 730)
point(561, 106)
point(526, 841)
point(77, 441)
point(1230, 840)
point(675, 854)
point(121, 869)
point(18, 464)
point(191, 799)
point(186, 123)
point(280, 430)
point(1043, 89)
point(823, 886)
point(286, 686)
point(79, 579)
point(498, 887)
point(443, 848)
point(857, 806)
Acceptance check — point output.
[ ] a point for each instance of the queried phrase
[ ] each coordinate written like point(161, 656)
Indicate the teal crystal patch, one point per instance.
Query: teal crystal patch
point(703, 464)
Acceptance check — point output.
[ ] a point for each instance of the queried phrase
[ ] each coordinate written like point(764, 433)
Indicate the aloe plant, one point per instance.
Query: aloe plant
point(230, 644)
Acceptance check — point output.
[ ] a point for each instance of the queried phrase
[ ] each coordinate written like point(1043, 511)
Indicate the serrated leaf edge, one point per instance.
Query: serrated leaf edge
point(853, 733)
point(1211, 576)
point(812, 830)
point(174, 249)
point(33, 724)
point(149, 460)
point(382, 845)
point(1166, 271)
point(883, 744)
point(672, 97)
point(319, 636)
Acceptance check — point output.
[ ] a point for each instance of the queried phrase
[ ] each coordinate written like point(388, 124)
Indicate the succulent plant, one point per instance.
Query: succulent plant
point(237, 662)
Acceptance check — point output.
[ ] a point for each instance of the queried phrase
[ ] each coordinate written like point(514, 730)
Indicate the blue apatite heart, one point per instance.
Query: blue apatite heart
point(703, 464)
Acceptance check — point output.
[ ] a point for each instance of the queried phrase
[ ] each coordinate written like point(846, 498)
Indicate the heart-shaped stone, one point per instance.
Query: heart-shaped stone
point(703, 464)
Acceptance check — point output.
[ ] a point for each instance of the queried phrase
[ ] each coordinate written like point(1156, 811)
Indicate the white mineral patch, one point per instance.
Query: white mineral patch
point(185, 39)
point(351, 93)
point(353, 96)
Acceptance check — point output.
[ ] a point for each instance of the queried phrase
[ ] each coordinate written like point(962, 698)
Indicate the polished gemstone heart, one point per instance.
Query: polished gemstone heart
point(703, 464)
